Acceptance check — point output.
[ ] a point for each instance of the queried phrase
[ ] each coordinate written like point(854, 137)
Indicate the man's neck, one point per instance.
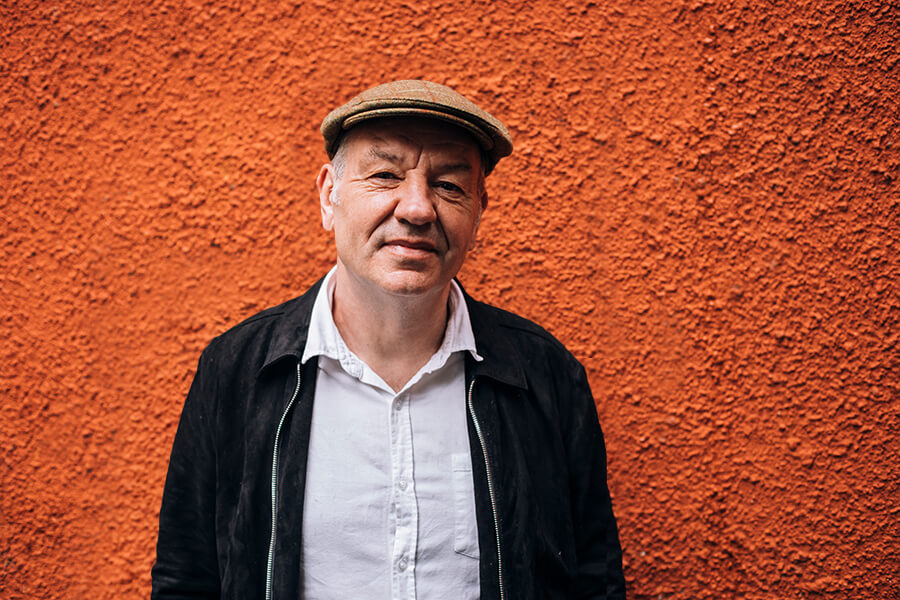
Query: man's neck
point(394, 335)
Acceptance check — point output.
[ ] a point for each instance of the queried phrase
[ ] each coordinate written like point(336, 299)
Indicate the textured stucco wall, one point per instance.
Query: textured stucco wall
point(703, 205)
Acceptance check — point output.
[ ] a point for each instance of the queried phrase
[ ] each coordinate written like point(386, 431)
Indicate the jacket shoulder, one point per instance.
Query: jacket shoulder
point(275, 332)
point(525, 335)
point(260, 320)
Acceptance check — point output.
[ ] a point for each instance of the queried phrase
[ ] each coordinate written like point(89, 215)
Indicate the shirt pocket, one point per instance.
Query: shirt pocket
point(465, 538)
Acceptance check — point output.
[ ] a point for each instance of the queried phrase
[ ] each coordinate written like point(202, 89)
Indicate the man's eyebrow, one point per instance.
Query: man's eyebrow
point(379, 154)
point(455, 167)
point(374, 154)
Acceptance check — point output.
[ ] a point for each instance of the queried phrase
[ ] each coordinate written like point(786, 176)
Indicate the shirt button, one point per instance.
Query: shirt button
point(402, 564)
point(402, 485)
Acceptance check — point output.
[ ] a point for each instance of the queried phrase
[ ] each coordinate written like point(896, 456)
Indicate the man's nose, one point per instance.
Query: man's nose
point(415, 203)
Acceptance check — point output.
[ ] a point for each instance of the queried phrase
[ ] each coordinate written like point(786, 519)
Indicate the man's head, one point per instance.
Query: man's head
point(425, 99)
point(404, 191)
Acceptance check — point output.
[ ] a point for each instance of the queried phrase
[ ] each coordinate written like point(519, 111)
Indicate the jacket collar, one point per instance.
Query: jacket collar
point(289, 336)
point(502, 359)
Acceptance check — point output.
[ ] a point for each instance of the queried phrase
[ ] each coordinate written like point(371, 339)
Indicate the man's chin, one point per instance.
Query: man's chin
point(399, 278)
point(402, 282)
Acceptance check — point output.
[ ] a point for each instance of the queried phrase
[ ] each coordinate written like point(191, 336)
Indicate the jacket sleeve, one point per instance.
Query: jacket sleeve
point(598, 552)
point(186, 564)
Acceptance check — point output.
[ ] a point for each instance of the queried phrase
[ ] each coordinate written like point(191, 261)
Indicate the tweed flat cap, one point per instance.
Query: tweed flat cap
point(417, 98)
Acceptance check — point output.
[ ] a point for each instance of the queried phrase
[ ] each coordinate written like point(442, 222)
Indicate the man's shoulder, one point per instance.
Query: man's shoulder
point(273, 332)
point(263, 318)
point(511, 322)
point(522, 334)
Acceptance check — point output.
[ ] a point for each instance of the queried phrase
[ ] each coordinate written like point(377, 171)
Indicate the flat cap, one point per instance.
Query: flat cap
point(417, 98)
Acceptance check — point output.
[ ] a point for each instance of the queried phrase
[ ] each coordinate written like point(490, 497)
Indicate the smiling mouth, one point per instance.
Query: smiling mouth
point(413, 245)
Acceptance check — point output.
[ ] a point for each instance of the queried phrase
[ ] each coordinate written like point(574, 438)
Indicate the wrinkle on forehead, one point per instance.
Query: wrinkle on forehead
point(378, 153)
point(382, 152)
point(403, 141)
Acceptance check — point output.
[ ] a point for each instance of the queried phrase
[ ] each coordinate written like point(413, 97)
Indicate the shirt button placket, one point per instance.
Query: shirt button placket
point(404, 505)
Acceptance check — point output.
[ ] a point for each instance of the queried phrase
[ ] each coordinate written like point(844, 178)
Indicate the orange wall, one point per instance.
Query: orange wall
point(703, 205)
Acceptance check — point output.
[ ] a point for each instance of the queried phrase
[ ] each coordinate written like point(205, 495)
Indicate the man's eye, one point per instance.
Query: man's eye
point(450, 187)
point(384, 175)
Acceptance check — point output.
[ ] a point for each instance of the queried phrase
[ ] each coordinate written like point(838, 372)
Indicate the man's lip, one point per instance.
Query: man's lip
point(414, 244)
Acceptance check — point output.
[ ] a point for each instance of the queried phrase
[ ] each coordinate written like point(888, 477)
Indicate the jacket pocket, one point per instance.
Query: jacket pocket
point(465, 539)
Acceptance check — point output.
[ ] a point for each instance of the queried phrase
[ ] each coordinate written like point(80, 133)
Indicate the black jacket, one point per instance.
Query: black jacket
point(243, 436)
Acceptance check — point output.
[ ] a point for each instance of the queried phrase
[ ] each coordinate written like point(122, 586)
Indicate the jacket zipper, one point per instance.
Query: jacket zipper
point(490, 482)
point(270, 563)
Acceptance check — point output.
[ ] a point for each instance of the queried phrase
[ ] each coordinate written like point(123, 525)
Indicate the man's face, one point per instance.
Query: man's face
point(406, 208)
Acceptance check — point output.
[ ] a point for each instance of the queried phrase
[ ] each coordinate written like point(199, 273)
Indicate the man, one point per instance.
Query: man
point(385, 435)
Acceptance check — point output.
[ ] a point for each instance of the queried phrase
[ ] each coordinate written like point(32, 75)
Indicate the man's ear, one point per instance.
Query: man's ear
point(325, 184)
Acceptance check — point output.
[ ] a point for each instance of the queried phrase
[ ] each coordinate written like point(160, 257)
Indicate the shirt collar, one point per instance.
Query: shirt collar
point(324, 339)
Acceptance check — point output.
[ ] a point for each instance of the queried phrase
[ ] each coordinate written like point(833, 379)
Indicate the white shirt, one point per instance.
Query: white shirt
point(389, 507)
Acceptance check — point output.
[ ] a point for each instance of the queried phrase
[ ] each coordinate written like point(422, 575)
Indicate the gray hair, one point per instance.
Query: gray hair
point(338, 165)
point(339, 162)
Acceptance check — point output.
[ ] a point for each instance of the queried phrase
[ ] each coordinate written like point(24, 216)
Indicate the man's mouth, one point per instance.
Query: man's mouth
point(423, 245)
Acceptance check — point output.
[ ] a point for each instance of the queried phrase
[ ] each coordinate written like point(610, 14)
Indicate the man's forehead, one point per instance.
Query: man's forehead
point(389, 139)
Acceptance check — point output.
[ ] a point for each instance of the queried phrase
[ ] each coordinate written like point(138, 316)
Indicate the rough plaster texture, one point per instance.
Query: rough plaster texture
point(703, 204)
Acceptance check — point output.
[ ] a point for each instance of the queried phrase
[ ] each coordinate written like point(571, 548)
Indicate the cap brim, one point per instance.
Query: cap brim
point(483, 139)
